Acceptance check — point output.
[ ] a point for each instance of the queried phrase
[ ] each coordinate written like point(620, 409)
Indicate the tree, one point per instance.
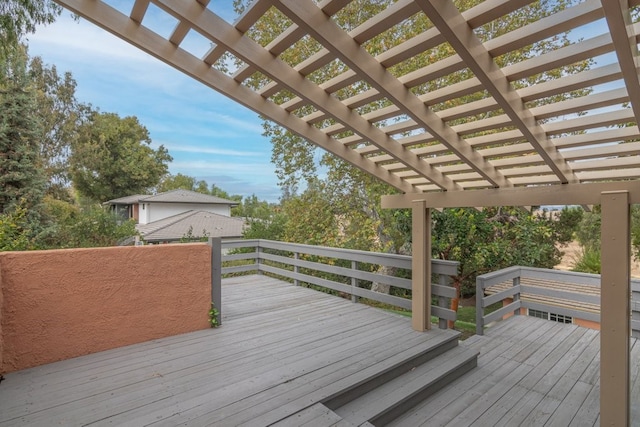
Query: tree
point(184, 182)
point(61, 116)
point(83, 227)
point(20, 17)
point(21, 179)
point(113, 158)
point(491, 239)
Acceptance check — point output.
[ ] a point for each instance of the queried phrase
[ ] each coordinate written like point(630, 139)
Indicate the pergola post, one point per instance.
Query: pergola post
point(421, 266)
point(615, 309)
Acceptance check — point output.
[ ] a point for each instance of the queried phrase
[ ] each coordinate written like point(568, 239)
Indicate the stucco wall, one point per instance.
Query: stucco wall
point(65, 303)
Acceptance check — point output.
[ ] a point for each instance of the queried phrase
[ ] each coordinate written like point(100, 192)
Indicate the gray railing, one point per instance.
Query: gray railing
point(574, 294)
point(320, 266)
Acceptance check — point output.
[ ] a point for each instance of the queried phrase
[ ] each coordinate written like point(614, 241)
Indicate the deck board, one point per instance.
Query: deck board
point(283, 349)
point(530, 372)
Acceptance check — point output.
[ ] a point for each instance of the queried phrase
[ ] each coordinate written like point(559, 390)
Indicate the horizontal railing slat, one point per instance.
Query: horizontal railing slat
point(499, 296)
point(498, 314)
point(444, 313)
point(340, 287)
point(555, 293)
point(341, 271)
point(499, 276)
point(449, 268)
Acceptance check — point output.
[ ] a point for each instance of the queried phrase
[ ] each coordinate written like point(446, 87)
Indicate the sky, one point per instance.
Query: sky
point(209, 136)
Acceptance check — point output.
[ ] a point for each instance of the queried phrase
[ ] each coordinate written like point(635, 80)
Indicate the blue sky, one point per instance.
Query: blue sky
point(209, 136)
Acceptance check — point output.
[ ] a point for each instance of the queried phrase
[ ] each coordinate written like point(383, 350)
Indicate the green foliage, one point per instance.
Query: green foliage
point(488, 240)
point(21, 180)
point(589, 261)
point(567, 224)
point(271, 228)
point(77, 227)
point(61, 116)
point(588, 233)
point(20, 17)
point(213, 316)
point(15, 231)
point(113, 158)
point(181, 181)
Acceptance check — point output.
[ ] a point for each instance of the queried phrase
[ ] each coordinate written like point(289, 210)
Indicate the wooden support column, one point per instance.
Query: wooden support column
point(615, 310)
point(421, 266)
point(216, 275)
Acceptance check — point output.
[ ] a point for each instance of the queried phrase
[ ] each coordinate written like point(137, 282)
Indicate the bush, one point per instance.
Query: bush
point(588, 262)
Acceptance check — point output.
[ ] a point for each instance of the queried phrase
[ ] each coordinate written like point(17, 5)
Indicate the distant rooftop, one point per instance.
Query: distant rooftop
point(173, 196)
point(200, 223)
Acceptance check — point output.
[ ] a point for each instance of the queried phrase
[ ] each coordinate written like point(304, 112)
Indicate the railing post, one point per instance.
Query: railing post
point(354, 281)
point(421, 266)
point(296, 256)
point(443, 280)
point(216, 275)
point(258, 257)
point(516, 297)
point(479, 306)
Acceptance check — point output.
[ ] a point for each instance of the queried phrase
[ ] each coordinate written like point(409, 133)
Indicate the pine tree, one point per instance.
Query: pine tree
point(21, 180)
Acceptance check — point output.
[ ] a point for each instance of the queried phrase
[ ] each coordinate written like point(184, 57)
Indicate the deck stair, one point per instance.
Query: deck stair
point(389, 393)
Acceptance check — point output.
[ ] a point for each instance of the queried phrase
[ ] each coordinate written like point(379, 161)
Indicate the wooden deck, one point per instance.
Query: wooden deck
point(531, 372)
point(284, 352)
point(280, 349)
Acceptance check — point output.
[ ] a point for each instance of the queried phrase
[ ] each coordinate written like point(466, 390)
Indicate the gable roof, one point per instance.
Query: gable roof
point(173, 196)
point(126, 200)
point(200, 223)
point(414, 137)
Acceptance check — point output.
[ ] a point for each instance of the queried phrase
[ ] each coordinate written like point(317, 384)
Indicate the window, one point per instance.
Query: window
point(560, 318)
point(550, 316)
point(539, 314)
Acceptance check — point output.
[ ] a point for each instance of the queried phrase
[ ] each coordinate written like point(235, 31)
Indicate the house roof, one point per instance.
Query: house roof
point(201, 223)
point(173, 196)
point(127, 200)
point(418, 132)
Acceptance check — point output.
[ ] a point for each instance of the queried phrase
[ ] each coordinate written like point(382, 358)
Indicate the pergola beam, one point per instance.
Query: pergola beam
point(567, 194)
point(624, 39)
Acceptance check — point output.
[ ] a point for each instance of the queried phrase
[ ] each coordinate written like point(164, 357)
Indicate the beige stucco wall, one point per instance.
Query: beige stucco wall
point(64, 303)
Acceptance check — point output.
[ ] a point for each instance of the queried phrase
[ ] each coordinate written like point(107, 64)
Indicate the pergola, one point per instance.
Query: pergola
point(513, 144)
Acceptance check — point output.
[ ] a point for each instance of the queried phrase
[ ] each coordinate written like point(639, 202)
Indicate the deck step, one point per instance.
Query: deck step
point(316, 415)
point(394, 396)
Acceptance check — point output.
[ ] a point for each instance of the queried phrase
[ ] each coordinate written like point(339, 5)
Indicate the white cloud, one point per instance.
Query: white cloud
point(205, 150)
point(247, 169)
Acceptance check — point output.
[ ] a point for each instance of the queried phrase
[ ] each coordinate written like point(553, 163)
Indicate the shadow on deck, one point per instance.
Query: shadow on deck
point(289, 356)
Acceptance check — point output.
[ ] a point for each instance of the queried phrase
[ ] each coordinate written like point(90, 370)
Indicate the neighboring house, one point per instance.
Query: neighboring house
point(146, 209)
point(173, 215)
